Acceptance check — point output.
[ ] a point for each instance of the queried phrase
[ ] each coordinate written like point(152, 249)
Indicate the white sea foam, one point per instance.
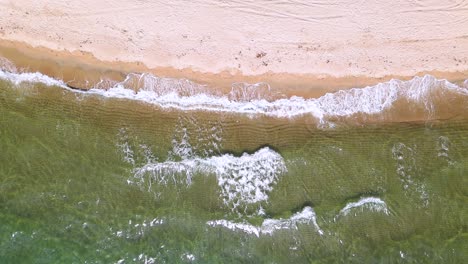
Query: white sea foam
point(137, 230)
point(188, 257)
point(193, 138)
point(443, 149)
point(168, 172)
point(370, 203)
point(249, 178)
point(143, 258)
point(269, 226)
point(409, 172)
point(243, 180)
point(7, 66)
point(29, 77)
point(369, 100)
point(123, 144)
point(257, 99)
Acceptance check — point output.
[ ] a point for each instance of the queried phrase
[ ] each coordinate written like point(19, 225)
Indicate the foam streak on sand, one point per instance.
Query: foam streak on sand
point(269, 226)
point(422, 92)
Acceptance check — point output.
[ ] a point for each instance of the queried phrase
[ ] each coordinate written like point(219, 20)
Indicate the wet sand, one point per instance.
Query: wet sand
point(83, 70)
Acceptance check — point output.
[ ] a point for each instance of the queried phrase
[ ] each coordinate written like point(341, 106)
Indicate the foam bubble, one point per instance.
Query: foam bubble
point(269, 226)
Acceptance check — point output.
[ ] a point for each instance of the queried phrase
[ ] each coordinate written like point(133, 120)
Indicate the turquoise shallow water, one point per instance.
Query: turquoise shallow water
point(88, 179)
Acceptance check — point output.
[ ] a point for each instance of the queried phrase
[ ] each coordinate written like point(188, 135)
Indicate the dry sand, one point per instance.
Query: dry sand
point(291, 44)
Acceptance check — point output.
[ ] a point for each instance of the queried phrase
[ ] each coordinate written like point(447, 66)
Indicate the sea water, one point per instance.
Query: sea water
point(155, 170)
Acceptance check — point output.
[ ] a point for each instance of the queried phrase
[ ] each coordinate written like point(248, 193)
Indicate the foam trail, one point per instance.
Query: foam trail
point(243, 180)
point(371, 203)
point(269, 226)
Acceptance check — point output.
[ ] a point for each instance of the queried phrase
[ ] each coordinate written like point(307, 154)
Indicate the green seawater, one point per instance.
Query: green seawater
point(69, 191)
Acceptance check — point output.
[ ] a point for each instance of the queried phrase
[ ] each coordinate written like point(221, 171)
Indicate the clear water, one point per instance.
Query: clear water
point(90, 179)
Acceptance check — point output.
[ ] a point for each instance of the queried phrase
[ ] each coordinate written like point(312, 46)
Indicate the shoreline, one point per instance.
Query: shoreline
point(298, 47)
point(420, 99)
point(81, 70)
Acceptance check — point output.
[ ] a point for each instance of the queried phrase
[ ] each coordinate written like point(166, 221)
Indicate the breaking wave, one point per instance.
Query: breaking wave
point(269, 226)
point(369, 203)
point(247, 179)
point(419, 99)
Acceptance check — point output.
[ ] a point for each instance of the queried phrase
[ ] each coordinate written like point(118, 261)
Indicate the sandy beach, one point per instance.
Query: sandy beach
point(296, 46)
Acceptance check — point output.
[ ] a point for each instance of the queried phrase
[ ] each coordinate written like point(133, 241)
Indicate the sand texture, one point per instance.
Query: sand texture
point(254, 40)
